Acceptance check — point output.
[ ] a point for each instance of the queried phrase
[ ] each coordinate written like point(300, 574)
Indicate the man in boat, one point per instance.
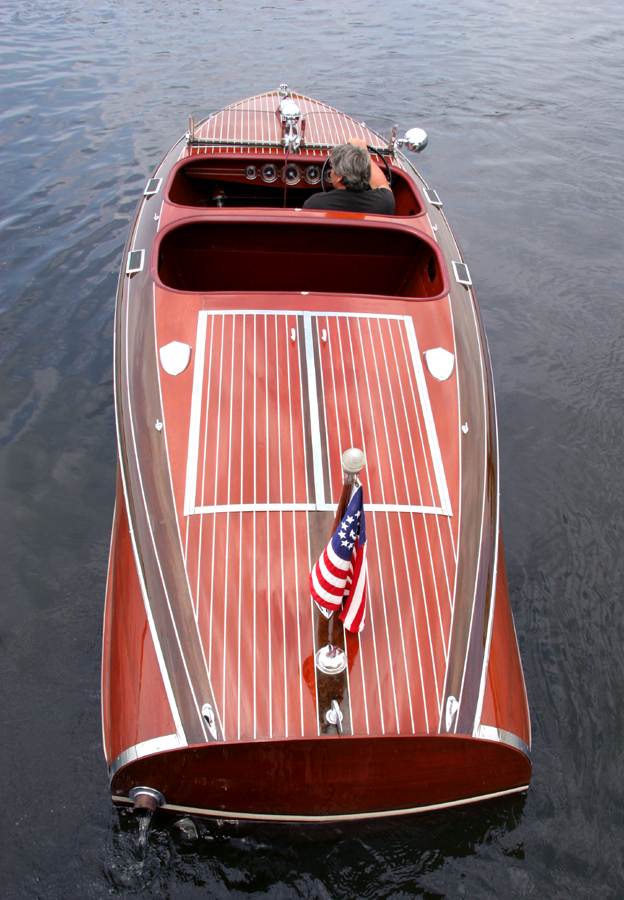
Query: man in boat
point(360, 184)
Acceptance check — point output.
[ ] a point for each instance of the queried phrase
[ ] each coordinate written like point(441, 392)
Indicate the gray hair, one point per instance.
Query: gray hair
point(353, 164)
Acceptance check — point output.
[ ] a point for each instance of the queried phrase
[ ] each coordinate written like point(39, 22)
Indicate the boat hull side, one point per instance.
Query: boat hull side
point(505, 704)
point(134, 701)
point(341, 777)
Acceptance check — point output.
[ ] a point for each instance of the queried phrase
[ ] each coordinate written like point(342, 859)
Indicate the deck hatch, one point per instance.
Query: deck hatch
point(268, 423)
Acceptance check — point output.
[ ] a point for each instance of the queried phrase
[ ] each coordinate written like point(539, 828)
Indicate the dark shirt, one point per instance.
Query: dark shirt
point(379, 201)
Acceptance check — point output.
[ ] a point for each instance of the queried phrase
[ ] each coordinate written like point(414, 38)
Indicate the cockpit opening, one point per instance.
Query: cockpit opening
point(328, 256)
point(208, 181)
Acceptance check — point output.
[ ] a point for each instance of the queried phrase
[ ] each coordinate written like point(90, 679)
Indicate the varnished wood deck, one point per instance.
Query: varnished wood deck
point(254, 460)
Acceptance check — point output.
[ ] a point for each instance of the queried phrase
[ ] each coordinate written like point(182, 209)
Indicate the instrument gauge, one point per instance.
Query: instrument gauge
point(312, 174)
point(269, 172)
point(291, 173)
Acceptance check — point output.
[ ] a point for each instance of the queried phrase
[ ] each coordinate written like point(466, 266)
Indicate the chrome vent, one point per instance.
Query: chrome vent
point(432, 197)
point(136, 258)
point(152, 187)
point(462, 275)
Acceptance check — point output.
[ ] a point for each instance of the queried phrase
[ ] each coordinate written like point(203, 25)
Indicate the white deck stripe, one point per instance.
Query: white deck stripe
point(333, 385)
point(445, 500)
point(370, 603)
point(381, 573)
point(203, 483)
point(315, 431)
point(268, 531)
point(385, 419)
point(340, 446)
point(338, 425)
point(421, 387)
point(216, 469)
point(266, 407)
point(279, 449)
point(412, 449)
point(402, 335)
point(411, 518)
point(240, 539)
point(227, 532)
point(459, 432)
point(319, 343)
point(196, 399)
point(287, 326)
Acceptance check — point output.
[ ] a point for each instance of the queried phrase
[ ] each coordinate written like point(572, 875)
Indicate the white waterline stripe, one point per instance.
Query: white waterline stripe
point(270, 817)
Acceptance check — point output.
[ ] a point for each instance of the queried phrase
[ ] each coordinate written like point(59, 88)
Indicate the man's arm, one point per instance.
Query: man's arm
point(378, 176)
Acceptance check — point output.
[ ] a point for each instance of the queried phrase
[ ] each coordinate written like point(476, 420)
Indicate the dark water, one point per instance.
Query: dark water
point(523, 103)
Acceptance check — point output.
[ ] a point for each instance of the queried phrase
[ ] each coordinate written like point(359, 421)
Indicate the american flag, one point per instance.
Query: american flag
point(342, 568)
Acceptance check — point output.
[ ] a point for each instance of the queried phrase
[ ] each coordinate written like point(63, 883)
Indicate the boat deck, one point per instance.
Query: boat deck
point(256, 427)
point(254, 120)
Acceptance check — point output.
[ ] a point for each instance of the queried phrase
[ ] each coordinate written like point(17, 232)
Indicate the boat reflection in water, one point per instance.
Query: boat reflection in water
point(255, 343)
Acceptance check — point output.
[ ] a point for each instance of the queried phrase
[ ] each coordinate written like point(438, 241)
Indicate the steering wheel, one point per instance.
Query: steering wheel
point(370, 150)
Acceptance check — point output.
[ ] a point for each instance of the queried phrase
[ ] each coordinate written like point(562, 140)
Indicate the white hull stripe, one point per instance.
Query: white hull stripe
point(230, 814)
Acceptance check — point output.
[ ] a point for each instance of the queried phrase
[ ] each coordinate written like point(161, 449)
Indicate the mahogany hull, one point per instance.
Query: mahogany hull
point(336, 778)
point(305, 334)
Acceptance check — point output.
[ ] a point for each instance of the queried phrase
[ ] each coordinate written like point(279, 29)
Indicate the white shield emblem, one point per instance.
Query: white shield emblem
point(174, 357)
point(440, 363)
point(451, 708)
point(209, 718)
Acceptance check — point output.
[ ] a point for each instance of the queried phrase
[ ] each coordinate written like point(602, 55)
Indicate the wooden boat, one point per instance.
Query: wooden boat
point(256, 342)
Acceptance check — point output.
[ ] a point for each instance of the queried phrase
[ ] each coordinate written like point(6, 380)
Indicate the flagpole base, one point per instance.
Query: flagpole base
point(328, 613)
point(331, 660)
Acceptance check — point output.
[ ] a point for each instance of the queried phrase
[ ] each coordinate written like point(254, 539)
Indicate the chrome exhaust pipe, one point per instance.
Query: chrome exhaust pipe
point(146, 798)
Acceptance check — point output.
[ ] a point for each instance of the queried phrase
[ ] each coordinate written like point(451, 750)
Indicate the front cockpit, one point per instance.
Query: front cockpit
point(267, 180)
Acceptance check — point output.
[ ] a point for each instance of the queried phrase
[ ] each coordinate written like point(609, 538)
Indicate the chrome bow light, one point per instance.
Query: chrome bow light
point(415, 140)
point(290, 114)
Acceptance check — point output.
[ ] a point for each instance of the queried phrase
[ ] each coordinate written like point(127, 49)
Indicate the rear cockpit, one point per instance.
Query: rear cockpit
point(323, 255)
